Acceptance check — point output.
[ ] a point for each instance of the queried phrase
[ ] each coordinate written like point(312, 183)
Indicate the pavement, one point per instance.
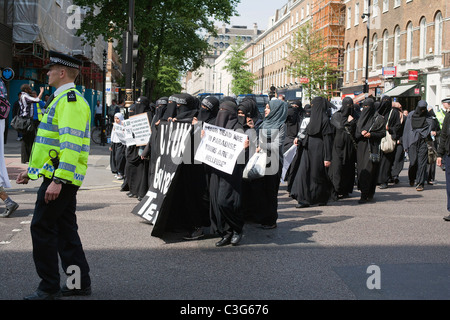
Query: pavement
point(396, 248)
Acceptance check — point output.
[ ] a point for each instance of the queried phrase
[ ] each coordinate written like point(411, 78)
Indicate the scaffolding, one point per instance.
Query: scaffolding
point(328, 18)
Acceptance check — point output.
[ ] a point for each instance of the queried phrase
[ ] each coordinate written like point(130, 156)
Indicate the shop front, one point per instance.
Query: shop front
point(408, 90)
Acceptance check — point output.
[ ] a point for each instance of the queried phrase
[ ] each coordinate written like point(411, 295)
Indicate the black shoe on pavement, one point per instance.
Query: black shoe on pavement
point(383, 186)
point(302, 205)
point(225, 240)
point(236, 238)
point(447, 218)
point(41, 295)
point(66, 292)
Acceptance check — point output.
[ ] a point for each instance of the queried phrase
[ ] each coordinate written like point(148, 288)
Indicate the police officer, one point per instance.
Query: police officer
point(443, 152)
point(60, 155)
point(440, 113)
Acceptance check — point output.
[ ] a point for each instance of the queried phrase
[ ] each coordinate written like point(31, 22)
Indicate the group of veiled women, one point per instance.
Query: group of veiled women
point(328, 148)
point(336, 152)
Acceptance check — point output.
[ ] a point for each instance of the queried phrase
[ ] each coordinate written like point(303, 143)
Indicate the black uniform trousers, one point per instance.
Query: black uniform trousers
point(54, 231)
point(446, 163)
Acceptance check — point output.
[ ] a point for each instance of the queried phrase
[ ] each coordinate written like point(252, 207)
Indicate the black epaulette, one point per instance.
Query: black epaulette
point(71, 96)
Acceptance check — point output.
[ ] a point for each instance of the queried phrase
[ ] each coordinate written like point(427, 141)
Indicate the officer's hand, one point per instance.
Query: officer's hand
point(439, 161)
point(52, 192)
point(22, 178)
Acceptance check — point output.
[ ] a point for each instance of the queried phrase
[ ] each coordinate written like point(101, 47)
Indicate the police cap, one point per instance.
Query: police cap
point(58, 58)
point(446, 100)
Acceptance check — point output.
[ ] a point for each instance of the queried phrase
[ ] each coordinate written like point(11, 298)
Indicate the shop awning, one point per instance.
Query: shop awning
point(399, 90)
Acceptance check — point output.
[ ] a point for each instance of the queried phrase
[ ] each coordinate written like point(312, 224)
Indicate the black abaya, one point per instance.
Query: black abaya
point(312, 184)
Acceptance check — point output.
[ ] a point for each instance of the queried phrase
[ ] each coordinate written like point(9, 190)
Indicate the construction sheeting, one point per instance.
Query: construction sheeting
point(51, 24)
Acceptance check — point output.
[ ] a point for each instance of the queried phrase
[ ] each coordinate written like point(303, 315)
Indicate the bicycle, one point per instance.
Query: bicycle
point(96, 132)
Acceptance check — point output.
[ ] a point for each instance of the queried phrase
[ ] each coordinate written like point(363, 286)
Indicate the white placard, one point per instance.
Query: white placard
point(140, 126)
point(220, 147)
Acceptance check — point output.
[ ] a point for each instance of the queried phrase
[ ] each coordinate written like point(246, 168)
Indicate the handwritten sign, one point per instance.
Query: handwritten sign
point(220, 147)
point(140, 127)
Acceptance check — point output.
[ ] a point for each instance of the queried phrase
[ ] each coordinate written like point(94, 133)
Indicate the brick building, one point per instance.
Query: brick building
point(409, 50)
point(267, 55)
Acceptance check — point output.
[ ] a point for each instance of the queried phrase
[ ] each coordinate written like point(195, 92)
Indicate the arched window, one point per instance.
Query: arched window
point(374, 51)
point(409, 41)
point(438, 34)
point(347, 52)
point(385, 48)
point(396, 45)
point(356, 62)
point(423, 38)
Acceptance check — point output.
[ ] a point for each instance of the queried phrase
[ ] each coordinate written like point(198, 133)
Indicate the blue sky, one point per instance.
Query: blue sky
point(258, 11)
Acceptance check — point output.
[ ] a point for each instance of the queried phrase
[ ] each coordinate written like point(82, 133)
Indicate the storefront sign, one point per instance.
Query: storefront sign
point(389, 72)
point(413, 75)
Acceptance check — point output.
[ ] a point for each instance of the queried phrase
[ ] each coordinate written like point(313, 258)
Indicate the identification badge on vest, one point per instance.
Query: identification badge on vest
point(71, 96)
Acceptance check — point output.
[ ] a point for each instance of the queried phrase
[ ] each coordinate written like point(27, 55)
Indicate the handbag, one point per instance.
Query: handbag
point(432, 153)
point(22, 125)
point(256, 166)
point(4, 108)
point(387, 143)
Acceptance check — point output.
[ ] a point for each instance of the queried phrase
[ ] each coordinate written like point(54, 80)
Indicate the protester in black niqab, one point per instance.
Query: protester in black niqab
point(369, 131)
point(208, 111)
point(225, 189)
point(342, 170)
point(416, 135)
point(312, 184)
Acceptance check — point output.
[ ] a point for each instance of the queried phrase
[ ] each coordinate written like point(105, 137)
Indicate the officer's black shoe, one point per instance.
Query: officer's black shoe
point(225, 240)
point(447, 218)
point(41, 295)
point(66, 292)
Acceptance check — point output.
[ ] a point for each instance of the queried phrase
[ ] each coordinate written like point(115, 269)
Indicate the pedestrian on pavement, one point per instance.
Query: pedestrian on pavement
point(11, 206)
point(60, 156)
point(271, 133)
point(432, 146)
point(370, 129)
point(312, 184)
point(26, 111)
point(443, 154)
point(98, 114)
point(417, 133)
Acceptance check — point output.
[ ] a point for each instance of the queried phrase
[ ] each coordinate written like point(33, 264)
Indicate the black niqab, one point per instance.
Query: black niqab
point(227, 116)
point(209, 114)
point(367, 114)
point(419, 118)
point(319, 109)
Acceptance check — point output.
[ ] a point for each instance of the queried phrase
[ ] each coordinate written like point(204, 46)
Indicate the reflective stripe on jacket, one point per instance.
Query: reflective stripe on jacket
point(65, 127)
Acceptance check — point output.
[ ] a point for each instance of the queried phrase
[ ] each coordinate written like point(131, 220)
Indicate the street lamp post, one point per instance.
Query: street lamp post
point(367, 14)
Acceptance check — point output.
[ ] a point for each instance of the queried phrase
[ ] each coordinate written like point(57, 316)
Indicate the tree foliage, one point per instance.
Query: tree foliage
point(166, 28)
point(243, 80)
point(310, 58)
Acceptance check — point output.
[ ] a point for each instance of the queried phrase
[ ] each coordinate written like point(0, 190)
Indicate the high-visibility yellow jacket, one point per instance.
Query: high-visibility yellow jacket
point(65, 128)
point(440, 115)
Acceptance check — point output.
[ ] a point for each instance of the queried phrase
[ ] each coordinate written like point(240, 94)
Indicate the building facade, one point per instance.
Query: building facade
point(408, 52)
point(267, 55)
point(38, 27)
point(207, 78)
